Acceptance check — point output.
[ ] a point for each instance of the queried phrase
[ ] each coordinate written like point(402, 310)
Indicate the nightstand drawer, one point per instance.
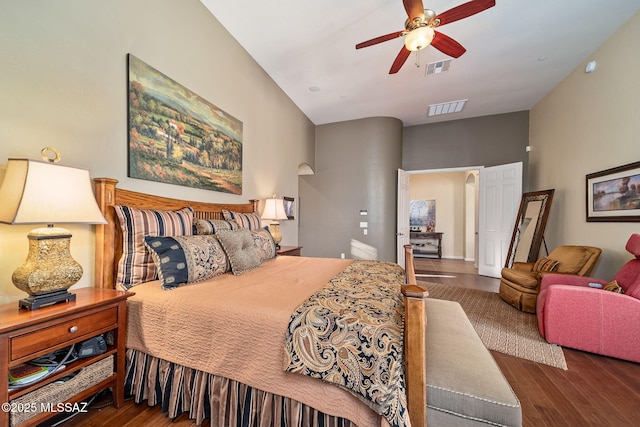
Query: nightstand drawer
point(32, 342)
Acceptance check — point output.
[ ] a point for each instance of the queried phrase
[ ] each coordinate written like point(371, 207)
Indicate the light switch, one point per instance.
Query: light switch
point(364, 224)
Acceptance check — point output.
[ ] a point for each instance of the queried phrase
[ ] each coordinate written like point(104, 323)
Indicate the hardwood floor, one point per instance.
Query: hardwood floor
point(595, 391)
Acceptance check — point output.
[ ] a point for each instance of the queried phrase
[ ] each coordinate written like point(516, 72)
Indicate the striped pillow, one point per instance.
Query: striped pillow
point(136, 265)
point(244, 220)
point(212, 226)
point(613, 286)
point(545, 264)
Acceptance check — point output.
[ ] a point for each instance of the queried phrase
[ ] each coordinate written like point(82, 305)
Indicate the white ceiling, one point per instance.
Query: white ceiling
point(517, 52)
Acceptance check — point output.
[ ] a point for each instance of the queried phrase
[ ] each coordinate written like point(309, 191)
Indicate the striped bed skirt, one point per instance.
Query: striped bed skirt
point(227, 403)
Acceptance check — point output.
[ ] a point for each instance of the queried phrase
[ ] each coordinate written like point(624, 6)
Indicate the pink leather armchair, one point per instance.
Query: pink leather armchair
point(573, 314)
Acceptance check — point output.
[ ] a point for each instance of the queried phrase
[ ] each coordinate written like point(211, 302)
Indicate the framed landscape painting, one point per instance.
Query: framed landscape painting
point(177, 137)
point(614, 194)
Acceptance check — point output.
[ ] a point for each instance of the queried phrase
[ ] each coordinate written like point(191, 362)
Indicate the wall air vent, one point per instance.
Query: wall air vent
point(438, 67)
point(446, 107)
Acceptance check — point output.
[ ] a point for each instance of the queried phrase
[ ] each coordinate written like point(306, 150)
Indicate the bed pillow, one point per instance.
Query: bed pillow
point(212, 226)
point(187, 259)
point(244, 220)
point(240, 250)
point(136, 265)
point(264, 244)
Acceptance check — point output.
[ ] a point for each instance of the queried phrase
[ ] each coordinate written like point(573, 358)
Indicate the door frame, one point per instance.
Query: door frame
point(442, 170)
point(402, 215)
point(478, 200)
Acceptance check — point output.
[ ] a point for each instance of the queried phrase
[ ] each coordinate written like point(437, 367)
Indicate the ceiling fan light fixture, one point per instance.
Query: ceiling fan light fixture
point(419, 38)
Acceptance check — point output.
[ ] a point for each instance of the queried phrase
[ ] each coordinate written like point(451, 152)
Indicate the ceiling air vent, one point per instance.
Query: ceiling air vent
point(438, 67)
point(446, 108)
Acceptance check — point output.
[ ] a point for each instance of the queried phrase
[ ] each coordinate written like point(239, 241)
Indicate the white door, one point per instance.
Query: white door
point(500, 194)
point(402, 230)
point(471, 218)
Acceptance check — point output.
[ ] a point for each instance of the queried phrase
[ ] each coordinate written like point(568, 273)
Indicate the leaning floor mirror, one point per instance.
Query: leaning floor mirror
point(528, 231)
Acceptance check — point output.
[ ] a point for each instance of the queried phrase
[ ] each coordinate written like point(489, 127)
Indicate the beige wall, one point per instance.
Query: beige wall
point(63, 84)
point(589, 123)
point(448, 190)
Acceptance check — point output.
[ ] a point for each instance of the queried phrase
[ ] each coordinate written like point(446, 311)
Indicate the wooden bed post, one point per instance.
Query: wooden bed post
point(105, 196)
point(415, 328)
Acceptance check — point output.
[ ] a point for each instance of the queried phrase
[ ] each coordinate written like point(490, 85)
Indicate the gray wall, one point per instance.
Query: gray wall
point(356, 166)
point(479, 141)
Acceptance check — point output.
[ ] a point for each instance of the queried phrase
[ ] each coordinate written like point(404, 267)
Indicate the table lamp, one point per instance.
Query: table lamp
point(274, 211)
point(45, 193)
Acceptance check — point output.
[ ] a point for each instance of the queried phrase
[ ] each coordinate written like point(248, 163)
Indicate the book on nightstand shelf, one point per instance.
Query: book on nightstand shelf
point(26, 372)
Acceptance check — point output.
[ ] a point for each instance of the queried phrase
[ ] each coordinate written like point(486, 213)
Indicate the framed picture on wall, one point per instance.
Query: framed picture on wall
point(613, 195)
point(422, 215)
point(178, 137)
point(290, 207)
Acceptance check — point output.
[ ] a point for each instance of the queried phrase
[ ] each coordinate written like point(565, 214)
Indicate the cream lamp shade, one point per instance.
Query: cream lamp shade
point(418, 38)
point(45, 193)
point(274, 211)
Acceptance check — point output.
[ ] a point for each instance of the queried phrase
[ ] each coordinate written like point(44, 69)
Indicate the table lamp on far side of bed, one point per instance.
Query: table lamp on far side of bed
point(36, 192)
point(274, 211)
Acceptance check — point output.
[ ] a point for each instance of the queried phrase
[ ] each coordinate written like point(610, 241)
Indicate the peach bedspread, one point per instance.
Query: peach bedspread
point(235, 327)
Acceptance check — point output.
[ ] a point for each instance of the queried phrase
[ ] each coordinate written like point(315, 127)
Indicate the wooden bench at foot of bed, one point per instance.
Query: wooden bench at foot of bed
point(464, 385)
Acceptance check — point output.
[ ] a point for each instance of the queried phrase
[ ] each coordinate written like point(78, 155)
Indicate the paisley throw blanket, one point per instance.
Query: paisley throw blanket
point(350, 333)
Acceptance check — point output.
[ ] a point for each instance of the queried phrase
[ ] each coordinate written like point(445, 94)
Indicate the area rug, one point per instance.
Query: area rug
point(500, 326)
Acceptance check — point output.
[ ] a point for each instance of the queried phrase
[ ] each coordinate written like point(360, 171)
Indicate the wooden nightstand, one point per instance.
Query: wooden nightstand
point(25, 335)
point(290, 250)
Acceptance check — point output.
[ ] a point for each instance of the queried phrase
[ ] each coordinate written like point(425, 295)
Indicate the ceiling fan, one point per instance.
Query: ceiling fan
point(419, 29)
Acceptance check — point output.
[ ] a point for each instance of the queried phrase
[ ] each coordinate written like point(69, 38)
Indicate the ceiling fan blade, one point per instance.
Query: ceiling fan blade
point(380, 39)
point(400, 59)
point(447, 45)
point(414, 8)
point(464, 10)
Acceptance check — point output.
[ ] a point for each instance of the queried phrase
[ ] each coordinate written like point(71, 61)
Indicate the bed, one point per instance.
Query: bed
point(227, 373)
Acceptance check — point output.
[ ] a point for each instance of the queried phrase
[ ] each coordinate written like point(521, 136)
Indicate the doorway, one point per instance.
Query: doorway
point(453, 196)
point(471, 192)
point(495, 199)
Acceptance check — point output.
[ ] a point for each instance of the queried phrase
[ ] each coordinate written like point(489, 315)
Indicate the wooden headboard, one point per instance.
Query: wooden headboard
point(109, 236)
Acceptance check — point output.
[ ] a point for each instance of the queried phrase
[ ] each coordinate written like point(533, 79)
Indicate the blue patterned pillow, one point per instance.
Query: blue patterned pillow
point(265, 246)
point(187, 259)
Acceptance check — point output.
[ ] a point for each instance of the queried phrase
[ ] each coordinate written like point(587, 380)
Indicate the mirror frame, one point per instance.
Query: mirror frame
point(545, 197)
